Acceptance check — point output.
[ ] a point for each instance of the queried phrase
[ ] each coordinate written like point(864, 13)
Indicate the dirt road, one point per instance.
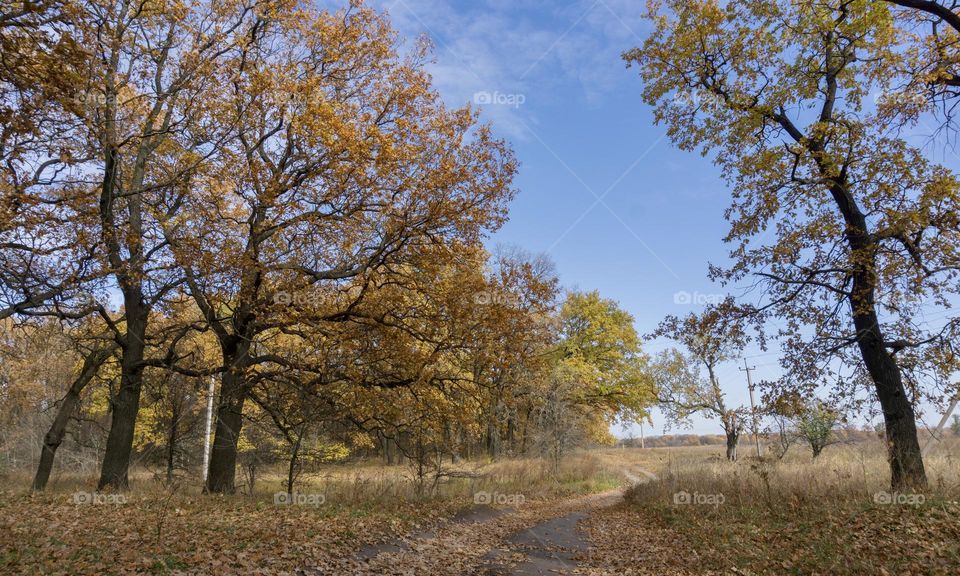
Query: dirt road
point(533, 539)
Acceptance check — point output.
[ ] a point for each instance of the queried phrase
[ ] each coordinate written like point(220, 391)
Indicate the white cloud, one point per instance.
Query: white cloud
point(534, 51)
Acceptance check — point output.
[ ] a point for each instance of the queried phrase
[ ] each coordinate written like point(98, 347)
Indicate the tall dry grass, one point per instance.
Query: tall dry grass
point(364, 486)
point(526, 478)
point(833, 515)
point(843, 472)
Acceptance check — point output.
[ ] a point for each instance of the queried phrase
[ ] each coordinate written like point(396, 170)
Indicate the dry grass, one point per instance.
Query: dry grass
point(796, 516)
point(174, 529)
point(831, 515)
point(842, 472)
point(357, 483)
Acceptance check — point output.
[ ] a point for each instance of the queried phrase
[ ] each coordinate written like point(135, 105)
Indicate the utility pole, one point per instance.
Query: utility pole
point(943, 422)
point(207, 426)
point(753, 407)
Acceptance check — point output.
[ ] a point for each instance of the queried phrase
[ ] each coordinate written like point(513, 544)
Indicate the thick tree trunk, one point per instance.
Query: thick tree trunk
point(903, 447)
point(68, 407)
point(388, 450)
point(129, 272)
point(221, 478)
point(491, 440)
point(126, 405)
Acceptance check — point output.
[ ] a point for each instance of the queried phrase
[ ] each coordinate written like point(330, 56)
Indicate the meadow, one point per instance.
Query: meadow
point(683, 510)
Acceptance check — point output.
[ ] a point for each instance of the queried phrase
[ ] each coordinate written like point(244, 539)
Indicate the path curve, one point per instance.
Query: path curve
point(533, 540)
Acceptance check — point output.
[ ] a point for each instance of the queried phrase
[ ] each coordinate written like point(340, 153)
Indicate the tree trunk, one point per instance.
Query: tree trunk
point(126, 405)
point(732, 440)
point(252, 476)
point(221, 478)
point(172, 439)
point(68, 407)
point(903, 447)
point(526, 428)
point(388, 450)
point(491, 440)
point(294, 455)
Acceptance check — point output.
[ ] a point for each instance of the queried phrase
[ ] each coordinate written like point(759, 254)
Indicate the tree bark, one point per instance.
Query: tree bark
point(291, 470)
point(221, 478)
point(126, 404)
point(388, 451)
point(68, 407)
point(732, 439)
point(903, 446)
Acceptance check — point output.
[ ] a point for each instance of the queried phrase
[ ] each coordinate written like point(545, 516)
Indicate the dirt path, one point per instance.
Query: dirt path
point(535, 539)
point(551, 547)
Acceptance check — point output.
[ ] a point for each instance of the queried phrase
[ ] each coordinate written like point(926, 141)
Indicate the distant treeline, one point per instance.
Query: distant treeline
point(675, 440)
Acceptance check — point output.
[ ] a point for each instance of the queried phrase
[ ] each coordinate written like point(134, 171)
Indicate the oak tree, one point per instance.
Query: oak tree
point(847, 231)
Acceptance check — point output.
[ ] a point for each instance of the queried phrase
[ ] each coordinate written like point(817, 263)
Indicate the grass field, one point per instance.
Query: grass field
point(689, 512)
point(165, 529)
point(832, 515)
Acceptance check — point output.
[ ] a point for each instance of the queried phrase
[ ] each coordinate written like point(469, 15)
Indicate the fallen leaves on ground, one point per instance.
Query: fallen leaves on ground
point(831, 538)
point(158, 534)
point(463, 547)
point(626, 541)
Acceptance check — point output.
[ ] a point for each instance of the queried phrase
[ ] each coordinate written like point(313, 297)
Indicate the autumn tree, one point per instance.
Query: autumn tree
point(145, 69)
point(47, 368)
point(400, 369)
point(783, 410)
point(47, 258)
point(847, 229)
point(929, 67)
point(512, 312)
point(446, 357)
point(715, 336)
point(598, 376)
point(344, 165)
point(302, 415)
point(36, 359)
point(179, 360)
point(95, 355)
point(599, 341)
point(683, 391)
point(39, 82)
